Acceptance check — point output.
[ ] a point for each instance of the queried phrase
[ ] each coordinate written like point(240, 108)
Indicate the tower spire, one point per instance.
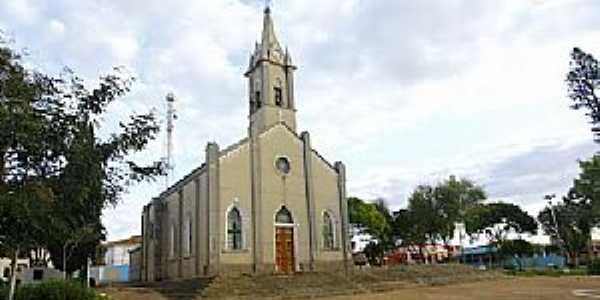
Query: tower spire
point(270, 81)
point(269, 40)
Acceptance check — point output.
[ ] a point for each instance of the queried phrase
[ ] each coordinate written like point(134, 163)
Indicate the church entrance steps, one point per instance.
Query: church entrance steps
point(184, 289)
point(277, 286)
point(306, 285)
point(368, 280)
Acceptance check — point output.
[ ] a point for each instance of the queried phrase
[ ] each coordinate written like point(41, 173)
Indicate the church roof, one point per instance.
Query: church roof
point(233, 146)
point(194, 173)
point(183, 181)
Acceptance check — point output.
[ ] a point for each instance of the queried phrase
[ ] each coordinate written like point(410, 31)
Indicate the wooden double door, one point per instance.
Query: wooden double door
point(284, 249)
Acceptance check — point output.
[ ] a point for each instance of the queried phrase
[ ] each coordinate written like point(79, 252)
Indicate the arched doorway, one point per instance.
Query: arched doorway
point(284, 241)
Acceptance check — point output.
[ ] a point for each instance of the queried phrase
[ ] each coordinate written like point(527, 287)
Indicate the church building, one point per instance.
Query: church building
point(269, 203)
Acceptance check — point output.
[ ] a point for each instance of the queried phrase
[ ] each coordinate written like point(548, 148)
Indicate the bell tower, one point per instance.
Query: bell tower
point(270, 82)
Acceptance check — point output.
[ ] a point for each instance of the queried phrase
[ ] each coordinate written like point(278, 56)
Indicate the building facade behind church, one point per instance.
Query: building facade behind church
point(269, 203)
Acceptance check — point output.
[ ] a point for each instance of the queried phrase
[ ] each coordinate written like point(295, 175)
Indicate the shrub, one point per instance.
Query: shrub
point(360, 259)
point(593, 267)
point(55, 290)
point(520, 247)
point(374, 252)
point(509, 266)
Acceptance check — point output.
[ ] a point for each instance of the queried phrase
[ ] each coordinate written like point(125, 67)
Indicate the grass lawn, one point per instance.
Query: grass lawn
point(549, 272)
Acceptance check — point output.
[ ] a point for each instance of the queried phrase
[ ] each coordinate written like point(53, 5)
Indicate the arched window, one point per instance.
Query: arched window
point(258, 100)
point(187, 235)
point(284, 216)
point(6, 272)
point(172, 241)
point(328, 231)
point(234, 229)
point(151, 230)
point(278, 93)
point(190, 235)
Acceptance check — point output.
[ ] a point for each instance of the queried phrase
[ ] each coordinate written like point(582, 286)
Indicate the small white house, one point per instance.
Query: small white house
point(116, 261)
point(27, 273)
point(117, 252)
point(22, 264)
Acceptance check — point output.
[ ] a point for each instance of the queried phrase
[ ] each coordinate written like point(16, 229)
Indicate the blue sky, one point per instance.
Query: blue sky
point(404, 92)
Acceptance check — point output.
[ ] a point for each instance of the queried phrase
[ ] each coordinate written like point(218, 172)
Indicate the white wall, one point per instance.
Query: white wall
point(22, 264)
point(118, 254)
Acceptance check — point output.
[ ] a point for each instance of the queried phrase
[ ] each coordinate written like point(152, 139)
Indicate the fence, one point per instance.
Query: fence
point(538, 262)
point(108, 274)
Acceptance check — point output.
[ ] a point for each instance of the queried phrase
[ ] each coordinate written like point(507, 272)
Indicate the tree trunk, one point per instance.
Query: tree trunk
point(589, 251)
point(64, 261)
point(13, 275)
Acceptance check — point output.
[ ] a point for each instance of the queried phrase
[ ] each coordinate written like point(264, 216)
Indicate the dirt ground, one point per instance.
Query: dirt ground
point(131, 294)
point(547, 288)
point(520, 288)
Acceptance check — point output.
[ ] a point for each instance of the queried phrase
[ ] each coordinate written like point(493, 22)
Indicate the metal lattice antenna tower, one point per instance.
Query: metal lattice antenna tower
point(171, 116)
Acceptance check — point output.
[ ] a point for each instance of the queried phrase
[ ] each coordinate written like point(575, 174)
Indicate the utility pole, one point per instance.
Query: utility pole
point(168, 159)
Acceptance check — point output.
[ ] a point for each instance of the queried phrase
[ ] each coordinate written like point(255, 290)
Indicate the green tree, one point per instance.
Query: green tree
point(433, 211)
point(367, 218)
point(516, 249)
point(454, 197)
point(496, 220)
point(402, 225)
point(583, 81)
point(56, 175)
point(426, 215)
point(568, 225)
point(373, 219)
point(586, 188)
point(578, 213)
point(30, 151)
point(81, 199)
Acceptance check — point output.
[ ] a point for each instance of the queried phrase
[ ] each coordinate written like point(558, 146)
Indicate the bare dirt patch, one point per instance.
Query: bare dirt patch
point(518, 288)
point(310, 285)
point(131, 293)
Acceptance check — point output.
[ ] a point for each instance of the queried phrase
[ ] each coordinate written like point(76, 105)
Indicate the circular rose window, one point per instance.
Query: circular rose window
point(283, 165)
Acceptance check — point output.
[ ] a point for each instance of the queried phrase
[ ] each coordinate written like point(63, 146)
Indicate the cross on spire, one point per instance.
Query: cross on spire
point(267, 6)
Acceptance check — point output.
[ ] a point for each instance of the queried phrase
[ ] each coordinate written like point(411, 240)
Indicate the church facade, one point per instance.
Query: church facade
point(267, 204)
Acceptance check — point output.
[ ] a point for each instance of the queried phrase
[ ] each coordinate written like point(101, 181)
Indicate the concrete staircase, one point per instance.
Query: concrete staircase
point(273, 286)
point(187, 289)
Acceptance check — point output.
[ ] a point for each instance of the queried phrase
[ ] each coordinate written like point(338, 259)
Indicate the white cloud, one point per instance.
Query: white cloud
point(404, 92)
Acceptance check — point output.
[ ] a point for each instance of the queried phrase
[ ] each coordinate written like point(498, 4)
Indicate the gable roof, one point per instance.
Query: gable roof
point(233, 147)
point(198, 171)
point(330, 165)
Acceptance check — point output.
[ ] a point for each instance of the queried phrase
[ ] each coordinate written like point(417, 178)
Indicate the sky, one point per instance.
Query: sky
point(403, 92)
